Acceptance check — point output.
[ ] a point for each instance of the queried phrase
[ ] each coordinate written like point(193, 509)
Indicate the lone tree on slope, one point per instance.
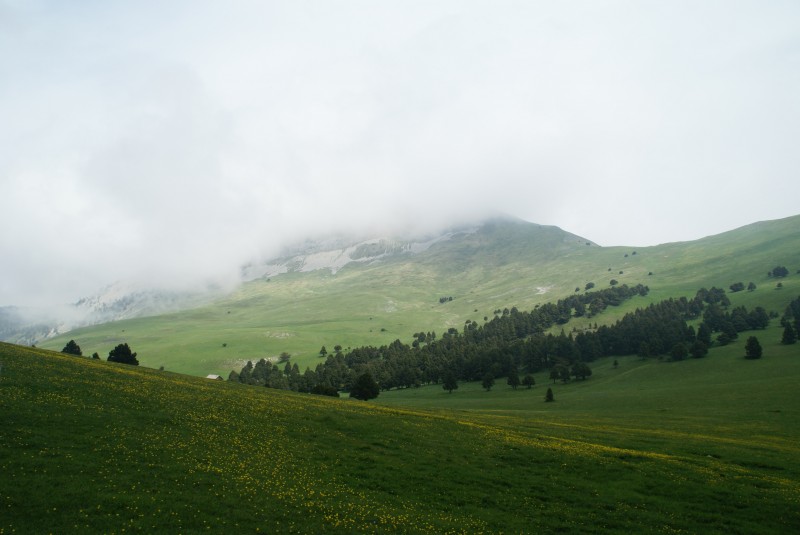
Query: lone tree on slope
point(779, 271)
point(528, 381)
point(752, 348)
point(549, 395)
point(488, 381)
point(513, 379)
point(72, 348)
point(449, 383)
point(123, 354)
point(365, 387)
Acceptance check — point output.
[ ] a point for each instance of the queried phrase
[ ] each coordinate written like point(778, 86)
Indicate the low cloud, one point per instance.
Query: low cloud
point(172, 144)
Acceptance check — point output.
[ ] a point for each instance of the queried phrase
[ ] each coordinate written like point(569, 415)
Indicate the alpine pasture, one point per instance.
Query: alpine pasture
point(709, 445)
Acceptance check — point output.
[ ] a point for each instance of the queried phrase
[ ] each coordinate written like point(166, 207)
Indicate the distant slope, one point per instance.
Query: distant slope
point(96, 447)
point(374, 291)
point(115, 302)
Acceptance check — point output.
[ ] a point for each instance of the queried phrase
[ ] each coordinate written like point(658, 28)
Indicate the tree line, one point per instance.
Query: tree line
point(498, 347)
point(515, 341)
point(121, 353)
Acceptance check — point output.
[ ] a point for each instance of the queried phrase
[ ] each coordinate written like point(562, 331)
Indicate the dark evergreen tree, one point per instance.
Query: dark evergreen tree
point(563, 373)
point(752, 348)
point(758, 318)
point(365, 387)
point(123, 354)
point(779, 271)
point(554, 374)
point(699, 349)
point(751, 286)
point(724, 339)
point(549, 395)
point(789, 335)
point(246, 373)
point(737, 287)
point(704, 334)
point(95, 356)
point(488, 381)
point(580, 369)
point(528, 381)
point(679, 351)
point(72, 348)
point(449, 383)
point(513, 379)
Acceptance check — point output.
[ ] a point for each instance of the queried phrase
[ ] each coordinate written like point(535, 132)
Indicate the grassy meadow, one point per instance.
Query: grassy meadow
point(699, 446)
point(504, 265)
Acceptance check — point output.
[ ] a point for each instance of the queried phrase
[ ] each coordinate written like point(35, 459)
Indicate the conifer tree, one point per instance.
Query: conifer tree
point(449, 383)
point(488, 381)
point(752, 348)
point(528, 381)
point(789, 335)
point(513, 379)
point(365, 387)
point(123, 354)
point(72, 348)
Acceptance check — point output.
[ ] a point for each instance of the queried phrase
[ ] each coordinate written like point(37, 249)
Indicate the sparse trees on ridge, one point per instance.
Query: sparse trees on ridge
point(737, 287)
point(72, 348)
point(123, 354)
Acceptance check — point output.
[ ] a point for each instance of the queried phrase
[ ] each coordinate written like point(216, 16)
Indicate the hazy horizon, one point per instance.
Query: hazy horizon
point(174, 141)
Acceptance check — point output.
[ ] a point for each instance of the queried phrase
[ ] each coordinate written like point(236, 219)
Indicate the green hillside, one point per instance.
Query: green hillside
point(700, 446)
point(506, 263)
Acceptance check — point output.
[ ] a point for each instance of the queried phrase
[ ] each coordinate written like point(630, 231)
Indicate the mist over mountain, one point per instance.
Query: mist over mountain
point(328, 253)
point(119, 301)
point(334, 252)
point(499, 254)
point(178, 155)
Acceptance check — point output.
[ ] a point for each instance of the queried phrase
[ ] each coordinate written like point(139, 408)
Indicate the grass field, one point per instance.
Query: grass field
point(504, 266)
point(700, 446)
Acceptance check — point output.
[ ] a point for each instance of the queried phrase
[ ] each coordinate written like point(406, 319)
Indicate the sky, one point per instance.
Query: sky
point(172, 141)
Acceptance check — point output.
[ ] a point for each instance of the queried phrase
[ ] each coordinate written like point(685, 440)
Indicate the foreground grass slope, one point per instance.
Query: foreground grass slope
point(707, 446)
point(505, 264)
